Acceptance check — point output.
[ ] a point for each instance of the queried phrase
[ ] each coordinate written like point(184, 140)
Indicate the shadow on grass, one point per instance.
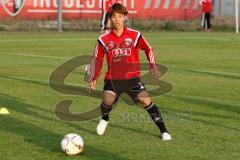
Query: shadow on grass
point(28, 80)
point(205, 122)
point(81, 128)
point(212, 103)
point(95, 123)
point(140, 131)
point(18, 105)
point(215, 74)
point(49, 140)
point(68, 89)
point(39, 136)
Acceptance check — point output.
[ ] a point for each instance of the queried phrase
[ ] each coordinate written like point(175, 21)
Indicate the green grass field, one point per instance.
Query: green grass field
point(202, 112)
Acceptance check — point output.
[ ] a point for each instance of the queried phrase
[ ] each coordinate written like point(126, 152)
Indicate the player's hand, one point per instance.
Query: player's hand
point(92, 86)
point(155, 71)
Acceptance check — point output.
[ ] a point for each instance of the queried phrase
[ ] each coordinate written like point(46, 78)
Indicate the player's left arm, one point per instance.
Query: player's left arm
point(143, 45)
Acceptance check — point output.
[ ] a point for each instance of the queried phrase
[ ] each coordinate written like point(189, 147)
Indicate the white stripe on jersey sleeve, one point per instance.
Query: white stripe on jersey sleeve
point(138, 35)
point(137, 39)
point(101, 41)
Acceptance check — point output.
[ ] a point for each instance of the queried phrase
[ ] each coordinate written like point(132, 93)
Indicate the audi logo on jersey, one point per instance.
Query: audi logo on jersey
point(123, 49)
point(121, 52)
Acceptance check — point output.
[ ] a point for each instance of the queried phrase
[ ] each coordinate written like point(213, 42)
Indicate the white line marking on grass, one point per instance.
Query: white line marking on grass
point(204, 71)
point(210, 99)
point(33, 80)
point(201, 38)
point(23, 78)
point(55, 39)
point(216, 72)
point(32, 55)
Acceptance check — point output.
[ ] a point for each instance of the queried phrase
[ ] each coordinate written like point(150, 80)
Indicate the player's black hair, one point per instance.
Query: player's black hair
point(119, 8)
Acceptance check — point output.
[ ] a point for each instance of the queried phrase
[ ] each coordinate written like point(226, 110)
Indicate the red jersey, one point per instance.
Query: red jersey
point(122, 54)
point(106, 4)
point(207, 5)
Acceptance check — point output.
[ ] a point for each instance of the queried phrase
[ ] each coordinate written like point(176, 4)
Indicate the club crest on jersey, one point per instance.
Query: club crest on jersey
point(127, 43)
point(121, 52)
point(12, 7)
point(111, 45)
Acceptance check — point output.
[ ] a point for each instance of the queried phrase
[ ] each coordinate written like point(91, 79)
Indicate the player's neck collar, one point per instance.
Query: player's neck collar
point(112, 31)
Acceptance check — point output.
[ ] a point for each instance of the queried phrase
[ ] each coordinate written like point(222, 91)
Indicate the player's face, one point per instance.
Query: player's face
point(117, 20)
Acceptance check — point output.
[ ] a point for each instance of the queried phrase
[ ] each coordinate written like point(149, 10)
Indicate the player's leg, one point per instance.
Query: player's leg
point(109, 98)
point(208, 22)
point(104, 21)
point(108, 22)
point(203, 20)
point(139, 94)
point(154, 113)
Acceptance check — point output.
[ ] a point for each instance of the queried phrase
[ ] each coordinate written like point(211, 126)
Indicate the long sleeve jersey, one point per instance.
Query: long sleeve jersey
point(207, 5)
point(122, 54)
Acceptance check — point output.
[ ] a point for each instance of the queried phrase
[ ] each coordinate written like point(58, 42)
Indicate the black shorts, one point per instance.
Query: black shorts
point(132, 87)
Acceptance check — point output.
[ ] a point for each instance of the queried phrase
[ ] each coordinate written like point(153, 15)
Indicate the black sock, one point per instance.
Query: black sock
point(156, 116)
point(105, 110)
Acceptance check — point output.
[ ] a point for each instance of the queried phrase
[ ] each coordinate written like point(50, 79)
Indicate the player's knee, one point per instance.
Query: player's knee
point(144, 98)
point(108, 102)
point(145, 101)
point(109, 98)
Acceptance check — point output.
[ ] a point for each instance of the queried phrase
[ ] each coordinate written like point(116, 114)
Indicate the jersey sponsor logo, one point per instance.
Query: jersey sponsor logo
point(12, 7)
point(121, 52)
point(121, 49)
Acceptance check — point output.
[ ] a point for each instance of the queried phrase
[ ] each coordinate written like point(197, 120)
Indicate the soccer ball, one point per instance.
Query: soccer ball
point(72, 144)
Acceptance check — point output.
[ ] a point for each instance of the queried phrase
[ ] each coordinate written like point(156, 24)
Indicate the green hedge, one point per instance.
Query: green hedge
point(219, 24)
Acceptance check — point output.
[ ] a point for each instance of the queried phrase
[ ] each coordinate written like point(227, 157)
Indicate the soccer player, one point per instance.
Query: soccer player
point(106, 4)
point(206, 16)
point(121, 47)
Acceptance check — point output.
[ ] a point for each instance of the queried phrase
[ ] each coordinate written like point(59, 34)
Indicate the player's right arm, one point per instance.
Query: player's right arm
point(142, 44)
point(96, 66)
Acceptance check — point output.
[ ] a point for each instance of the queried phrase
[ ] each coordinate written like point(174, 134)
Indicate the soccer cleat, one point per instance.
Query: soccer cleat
point(102, 125)
point(166, 136)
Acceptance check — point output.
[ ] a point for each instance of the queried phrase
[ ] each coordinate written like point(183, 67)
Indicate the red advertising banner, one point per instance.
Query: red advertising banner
point(92, 9)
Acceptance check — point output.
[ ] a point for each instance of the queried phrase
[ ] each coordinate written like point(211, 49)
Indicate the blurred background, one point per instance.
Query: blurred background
point(86, 14)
